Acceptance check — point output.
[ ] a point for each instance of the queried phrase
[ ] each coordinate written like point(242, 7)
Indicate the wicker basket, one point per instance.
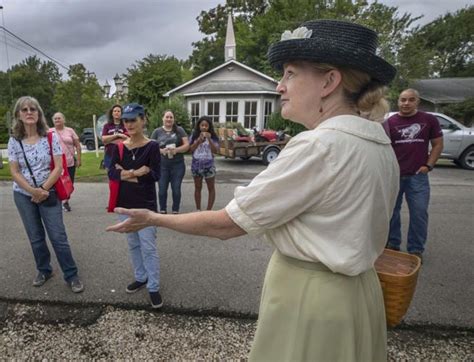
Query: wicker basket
point(398, 273)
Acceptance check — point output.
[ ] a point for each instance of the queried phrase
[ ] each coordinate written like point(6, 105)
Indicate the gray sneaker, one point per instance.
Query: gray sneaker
point(76, 285)
point(41, 278)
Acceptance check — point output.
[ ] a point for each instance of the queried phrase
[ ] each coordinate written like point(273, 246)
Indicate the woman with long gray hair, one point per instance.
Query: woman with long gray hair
point(30, 155)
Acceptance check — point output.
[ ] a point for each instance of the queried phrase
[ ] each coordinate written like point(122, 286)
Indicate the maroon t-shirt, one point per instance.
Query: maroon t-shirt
point(111, 129)
point(411, 138)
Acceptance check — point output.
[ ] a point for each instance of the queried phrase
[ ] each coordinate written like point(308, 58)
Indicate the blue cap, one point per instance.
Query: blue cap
point(132, 110)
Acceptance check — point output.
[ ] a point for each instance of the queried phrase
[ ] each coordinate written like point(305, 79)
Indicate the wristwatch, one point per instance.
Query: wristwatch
point(430, 168)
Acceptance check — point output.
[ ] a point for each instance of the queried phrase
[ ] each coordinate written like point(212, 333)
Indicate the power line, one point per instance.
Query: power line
point(33, 47)
point(18, 46)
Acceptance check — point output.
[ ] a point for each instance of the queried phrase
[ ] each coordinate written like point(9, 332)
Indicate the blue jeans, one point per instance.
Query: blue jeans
point(417, 193)
point(171, 172)
point(144, 256)
point(34, 216)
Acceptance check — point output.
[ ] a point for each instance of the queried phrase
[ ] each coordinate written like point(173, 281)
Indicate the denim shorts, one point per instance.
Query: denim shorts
point(208, 172)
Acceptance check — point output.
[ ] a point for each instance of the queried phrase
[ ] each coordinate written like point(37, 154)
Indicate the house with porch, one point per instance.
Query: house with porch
point(231, 92)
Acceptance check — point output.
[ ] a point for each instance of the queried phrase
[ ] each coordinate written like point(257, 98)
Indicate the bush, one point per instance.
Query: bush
point(4, 135)
point(462, 112)
point(277, 122)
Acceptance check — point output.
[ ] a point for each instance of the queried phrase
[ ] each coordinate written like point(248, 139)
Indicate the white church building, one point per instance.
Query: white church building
point(231, 92)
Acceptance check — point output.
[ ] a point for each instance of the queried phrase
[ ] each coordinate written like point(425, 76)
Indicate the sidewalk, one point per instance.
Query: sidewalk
point(224, 278)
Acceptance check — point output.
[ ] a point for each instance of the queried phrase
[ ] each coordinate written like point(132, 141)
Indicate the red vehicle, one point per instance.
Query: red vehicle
point(268, 135)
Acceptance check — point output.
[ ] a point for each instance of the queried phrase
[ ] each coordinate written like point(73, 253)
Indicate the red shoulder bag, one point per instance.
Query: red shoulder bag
point(114, 185)
point(63, 185)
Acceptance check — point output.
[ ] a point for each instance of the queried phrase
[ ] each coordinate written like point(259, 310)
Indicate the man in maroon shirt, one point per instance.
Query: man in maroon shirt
point(411, 132)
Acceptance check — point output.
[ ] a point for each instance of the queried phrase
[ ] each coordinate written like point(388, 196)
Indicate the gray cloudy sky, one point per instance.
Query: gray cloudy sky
point(108, 36)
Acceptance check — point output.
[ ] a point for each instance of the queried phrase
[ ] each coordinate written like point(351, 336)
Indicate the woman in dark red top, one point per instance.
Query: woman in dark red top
point(138, 170)
point(113, 132)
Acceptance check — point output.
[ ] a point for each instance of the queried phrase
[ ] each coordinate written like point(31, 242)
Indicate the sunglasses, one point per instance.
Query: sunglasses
point(29, 109)
point(125, 120)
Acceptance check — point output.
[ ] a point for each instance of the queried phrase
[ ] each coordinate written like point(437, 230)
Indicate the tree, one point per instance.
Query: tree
point(174, 104)
point(462, 112)
point(277, 122)
point(450, 41)
point(209, 52)
point(30, 77)
point(259, 23)
point(80, 97)
point(153, 76)
point(444, 47)
point(4, 124)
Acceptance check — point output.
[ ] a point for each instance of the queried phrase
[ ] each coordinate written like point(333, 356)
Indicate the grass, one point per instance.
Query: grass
point(88, 172)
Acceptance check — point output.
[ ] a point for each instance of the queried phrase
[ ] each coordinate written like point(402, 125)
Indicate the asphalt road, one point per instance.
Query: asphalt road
point(201, 275)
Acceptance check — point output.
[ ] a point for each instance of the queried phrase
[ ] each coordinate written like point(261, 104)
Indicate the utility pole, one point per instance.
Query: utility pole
point(8, 59)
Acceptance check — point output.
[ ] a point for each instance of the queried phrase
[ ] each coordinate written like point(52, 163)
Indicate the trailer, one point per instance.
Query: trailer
point(230, 148)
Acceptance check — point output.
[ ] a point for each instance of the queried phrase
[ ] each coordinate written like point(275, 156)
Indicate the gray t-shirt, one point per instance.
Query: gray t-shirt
point(165, 138)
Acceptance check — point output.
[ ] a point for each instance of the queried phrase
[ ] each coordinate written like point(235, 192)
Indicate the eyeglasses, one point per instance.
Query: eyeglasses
point(132, 120)
point(29, 109)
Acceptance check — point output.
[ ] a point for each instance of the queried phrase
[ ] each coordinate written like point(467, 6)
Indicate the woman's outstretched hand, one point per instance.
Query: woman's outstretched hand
point(138, 219)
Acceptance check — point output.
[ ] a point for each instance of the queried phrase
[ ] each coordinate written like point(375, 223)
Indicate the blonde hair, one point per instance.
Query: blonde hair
point(366, 95)
point(18, 129)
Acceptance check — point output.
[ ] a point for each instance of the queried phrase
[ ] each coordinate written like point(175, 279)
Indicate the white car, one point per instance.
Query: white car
point(458, 140)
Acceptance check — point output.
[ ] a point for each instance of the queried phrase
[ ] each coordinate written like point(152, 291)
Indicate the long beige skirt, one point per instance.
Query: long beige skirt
point(308, 313)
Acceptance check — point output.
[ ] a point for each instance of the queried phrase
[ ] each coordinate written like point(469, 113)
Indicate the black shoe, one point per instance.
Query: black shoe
point(156, 301)
point(41, 278)
point(135, 286)
point(76, 285)
point(66, 206)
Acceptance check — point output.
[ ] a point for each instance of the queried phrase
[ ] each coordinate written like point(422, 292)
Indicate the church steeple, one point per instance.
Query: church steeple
point(230, 47)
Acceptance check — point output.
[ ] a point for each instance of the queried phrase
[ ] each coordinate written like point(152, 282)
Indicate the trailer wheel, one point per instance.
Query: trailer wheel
point(269, 154)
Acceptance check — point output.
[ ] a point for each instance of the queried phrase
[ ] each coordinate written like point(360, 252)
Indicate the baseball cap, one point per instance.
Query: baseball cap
point(132, 110)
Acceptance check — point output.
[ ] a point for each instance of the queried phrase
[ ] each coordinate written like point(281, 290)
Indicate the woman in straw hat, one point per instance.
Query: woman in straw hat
point(337, 183)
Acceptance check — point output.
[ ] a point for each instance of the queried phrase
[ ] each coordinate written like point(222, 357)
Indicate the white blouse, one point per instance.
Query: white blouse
point(328, 197)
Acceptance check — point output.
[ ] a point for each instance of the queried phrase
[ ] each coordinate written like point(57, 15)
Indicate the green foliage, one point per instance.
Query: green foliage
point(462, 112)
point(4, 124)
point(442, 48)
point(450, 40)
point(277, 122)
point(176, 105)
point(89, 171)
point(30, 77)
point(259, 23)
point(151, 77)
point(79, 98)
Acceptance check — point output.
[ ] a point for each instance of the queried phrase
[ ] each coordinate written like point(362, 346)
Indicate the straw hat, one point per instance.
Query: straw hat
point(335, 42)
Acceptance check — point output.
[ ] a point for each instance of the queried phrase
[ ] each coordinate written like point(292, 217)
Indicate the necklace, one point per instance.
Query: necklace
point(133, 153)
